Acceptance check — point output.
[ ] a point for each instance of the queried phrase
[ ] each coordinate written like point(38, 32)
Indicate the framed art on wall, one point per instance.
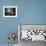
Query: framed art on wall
point(32, 32)
point(9, 11)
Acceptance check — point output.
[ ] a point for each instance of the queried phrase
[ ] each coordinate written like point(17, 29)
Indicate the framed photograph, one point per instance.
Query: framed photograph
point(9, 11)
point(33, 32)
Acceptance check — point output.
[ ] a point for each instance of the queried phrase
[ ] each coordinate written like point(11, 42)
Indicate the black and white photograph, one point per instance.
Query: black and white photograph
point(9, 11)
point(29, 34)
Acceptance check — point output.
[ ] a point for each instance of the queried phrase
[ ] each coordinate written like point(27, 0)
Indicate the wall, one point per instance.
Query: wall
point(29, 12)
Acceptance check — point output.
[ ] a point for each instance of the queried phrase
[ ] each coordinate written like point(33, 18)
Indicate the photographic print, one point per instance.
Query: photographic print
point(30, 33)
point(9, 11)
